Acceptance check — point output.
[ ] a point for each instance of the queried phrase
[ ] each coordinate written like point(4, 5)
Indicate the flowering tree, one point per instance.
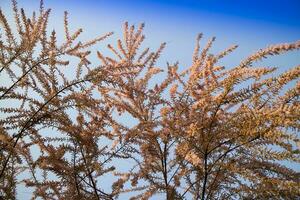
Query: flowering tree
point(207, 132)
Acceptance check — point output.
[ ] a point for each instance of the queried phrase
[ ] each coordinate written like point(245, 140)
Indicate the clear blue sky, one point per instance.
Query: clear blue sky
point(251, 24)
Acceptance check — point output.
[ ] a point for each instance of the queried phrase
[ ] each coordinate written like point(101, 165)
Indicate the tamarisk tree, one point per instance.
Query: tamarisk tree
point(206, 132)
point(38, 96)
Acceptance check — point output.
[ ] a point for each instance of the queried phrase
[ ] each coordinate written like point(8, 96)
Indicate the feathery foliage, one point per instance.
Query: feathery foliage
point(202, 133)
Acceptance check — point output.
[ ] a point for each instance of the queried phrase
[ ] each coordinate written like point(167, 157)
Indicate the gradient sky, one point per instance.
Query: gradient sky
point(251, 24)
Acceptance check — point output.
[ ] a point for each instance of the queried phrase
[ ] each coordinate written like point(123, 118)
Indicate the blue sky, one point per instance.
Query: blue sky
point(250, 24)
